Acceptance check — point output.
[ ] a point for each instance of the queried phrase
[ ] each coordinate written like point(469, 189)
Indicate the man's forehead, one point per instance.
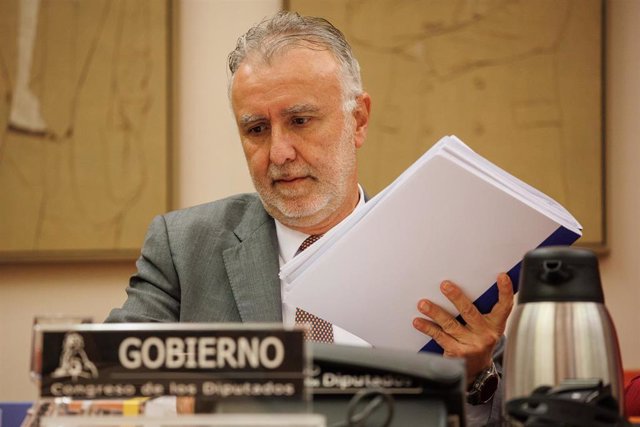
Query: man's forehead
point(301, 81)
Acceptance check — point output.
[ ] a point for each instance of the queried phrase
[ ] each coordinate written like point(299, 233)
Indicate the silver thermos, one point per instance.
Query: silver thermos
point(562, 362)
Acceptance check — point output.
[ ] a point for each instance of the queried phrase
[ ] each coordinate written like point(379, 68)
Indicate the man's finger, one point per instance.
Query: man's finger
point(434, 331)
point(502, 309)
point(464, 305)
point(442, 318)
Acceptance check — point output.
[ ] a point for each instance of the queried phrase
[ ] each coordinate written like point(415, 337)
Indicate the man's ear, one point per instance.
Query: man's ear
point(361, 115)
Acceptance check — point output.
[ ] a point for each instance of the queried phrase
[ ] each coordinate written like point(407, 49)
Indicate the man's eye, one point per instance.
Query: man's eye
point(257, 129)
point(300, 120)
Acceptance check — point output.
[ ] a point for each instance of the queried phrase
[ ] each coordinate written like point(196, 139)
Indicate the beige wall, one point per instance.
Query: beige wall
point(208, 164)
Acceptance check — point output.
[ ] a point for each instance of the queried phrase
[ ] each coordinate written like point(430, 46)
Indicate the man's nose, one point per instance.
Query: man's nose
point(282, 146)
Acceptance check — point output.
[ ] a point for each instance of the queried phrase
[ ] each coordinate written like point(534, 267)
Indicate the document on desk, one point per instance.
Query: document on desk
point(451, 215)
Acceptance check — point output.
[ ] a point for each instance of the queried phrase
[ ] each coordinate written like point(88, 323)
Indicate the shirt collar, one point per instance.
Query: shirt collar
point(289, 240)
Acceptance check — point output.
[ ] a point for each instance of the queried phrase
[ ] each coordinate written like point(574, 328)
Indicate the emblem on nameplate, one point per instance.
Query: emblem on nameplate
point(74, 362)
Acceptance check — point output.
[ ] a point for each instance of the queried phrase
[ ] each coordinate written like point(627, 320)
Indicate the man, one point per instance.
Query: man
point(297, 97)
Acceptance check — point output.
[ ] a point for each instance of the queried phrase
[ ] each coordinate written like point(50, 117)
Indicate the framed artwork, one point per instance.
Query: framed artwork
point(84, 128)
point(519, 81)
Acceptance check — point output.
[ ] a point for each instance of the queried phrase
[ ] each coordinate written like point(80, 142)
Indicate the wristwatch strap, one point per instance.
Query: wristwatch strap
point(484, 386)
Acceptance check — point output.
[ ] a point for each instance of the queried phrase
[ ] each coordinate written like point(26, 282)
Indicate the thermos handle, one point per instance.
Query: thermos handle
point(555, 272)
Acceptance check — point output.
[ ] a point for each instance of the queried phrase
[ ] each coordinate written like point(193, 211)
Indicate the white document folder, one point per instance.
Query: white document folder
point(451, 215)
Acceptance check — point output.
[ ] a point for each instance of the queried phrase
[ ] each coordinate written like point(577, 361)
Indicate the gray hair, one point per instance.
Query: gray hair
point(286, 30)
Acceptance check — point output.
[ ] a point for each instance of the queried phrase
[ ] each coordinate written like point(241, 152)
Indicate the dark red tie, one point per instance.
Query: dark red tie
point(319, 329)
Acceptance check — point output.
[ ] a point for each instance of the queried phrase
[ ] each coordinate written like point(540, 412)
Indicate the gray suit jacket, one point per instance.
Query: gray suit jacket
point(216, 262)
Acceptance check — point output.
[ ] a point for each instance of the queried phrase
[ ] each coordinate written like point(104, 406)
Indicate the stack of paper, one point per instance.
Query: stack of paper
point(451, 215)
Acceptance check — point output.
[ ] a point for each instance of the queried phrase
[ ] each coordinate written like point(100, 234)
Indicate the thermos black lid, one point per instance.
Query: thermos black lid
point(560, 274)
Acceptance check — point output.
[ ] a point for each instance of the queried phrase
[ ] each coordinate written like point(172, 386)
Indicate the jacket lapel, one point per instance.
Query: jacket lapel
point(252, 267)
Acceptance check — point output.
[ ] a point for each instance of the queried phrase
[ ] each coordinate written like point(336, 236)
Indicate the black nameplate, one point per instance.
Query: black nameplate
point(227, 363)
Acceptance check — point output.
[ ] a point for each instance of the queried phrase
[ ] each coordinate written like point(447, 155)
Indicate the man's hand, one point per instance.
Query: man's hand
point(474, 341)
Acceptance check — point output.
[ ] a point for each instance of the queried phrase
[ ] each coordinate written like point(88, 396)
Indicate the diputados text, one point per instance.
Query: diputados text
point(201, 352)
